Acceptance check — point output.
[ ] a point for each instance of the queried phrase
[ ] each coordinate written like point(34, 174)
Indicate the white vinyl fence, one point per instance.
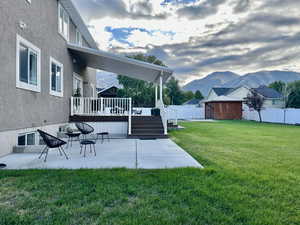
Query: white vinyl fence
point(181, 112)
point(185, 112)
point(272, 115)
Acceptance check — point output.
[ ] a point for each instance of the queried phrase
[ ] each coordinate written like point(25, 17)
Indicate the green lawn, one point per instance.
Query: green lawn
point(251, 176)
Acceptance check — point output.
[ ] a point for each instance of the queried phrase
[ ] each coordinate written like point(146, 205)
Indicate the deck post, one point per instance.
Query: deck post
point(101, 106)
point(129, 116)
point(161, 88)
point(72, 106)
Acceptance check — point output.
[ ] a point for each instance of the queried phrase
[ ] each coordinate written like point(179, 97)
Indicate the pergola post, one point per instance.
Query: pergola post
point(156, 95)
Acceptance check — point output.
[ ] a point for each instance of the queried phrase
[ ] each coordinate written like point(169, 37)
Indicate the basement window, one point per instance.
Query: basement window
point(27, 139)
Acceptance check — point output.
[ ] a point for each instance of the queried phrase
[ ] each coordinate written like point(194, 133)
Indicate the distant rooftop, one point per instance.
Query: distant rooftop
point(267, 92)
point(222, 91)
point(193, 101)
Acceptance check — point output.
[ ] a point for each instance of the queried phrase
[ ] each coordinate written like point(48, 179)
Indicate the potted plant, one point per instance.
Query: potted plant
point(77, 93)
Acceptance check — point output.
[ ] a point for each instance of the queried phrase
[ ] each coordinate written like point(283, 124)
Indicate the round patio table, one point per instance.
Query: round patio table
point(72, 136)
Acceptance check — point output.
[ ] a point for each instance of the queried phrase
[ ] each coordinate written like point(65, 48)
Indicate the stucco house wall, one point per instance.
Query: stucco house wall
point(20, 109)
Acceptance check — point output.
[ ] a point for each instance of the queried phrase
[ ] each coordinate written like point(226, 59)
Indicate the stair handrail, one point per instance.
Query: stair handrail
point(163, 115)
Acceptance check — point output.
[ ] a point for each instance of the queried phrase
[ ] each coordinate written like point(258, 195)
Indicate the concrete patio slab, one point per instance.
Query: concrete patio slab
point(163, 153)
point(118, 153)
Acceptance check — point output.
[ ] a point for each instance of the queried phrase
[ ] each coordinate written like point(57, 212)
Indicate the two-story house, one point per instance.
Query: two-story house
point(48, 54)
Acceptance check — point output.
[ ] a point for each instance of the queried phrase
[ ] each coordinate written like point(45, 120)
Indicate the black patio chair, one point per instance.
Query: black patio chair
point(51, 142)
point(84, 128)
point(2, 165)
point(85, 143)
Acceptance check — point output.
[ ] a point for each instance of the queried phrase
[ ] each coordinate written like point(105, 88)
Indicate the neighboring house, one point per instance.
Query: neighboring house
point(47, 54)
point(273, 99)
point(109, 92)
point(215, 92)
point(193, 101)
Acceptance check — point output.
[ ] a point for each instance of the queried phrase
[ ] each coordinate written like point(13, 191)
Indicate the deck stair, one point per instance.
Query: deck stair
point(147, 127)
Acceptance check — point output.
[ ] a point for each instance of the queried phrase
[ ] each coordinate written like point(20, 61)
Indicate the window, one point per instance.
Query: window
point(28, 65)
point(78, 38)
point(56, 78)
point(275, 101)
point(77, 86)
point(27, 139)
point(63, 22)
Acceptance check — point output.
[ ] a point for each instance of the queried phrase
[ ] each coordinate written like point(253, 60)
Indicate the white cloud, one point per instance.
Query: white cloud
point(195, 40)
point(183, 28)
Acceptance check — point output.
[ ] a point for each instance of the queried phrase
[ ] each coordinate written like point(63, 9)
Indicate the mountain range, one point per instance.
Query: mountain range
point(230, 79)
point(217, 79)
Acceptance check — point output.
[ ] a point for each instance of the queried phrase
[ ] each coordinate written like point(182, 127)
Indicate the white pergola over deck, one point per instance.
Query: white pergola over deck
point(117, 64)
point(120, 64)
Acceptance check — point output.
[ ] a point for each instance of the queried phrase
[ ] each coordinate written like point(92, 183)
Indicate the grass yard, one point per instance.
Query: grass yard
point(251, 176)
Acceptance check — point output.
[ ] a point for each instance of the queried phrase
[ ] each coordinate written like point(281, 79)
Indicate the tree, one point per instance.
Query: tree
point(188, 95)
point(174, 92)
point(141, 92)
point(198, 95)
point(255, 101)
point(293, 100)
point(282, 88)
point(278, 86)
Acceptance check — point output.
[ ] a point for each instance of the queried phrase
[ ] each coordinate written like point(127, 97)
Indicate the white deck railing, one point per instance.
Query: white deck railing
point(163, 115)
point(100, 106)
point(84, 106)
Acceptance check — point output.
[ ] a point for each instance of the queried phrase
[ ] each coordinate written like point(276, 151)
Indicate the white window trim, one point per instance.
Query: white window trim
point(26, 134)
point(78, 78)
point(20, 84)
point(61, 33)
point(80, 41)
point(51, 92)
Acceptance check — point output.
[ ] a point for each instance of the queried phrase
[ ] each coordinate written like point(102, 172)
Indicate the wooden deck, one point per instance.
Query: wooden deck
point(145, 127)
point(77, 118)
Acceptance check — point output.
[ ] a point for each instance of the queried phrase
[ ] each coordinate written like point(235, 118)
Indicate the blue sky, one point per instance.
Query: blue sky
point(197, 37)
